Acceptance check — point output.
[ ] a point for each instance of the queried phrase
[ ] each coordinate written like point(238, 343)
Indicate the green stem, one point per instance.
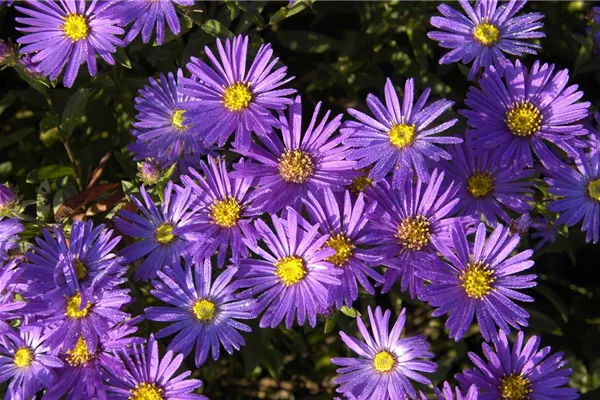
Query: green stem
point(73, 162)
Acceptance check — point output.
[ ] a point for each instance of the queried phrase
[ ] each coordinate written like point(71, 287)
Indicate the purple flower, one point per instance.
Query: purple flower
point(448, 394)
point(149, 172)
point(166, 234)
point(485, 33)
point(479, 281)
point(224, 211)
point(9, 307)
point(404, 224)
point(306, 161)
point(9, 235)
point(544, 230)
point(148, 377)
point(8, 199)
point(516, 110)
point(386, 363)
point(203, 314)
point(7, 51)
point(84, 371)
point(523, 372)
point(85, 259)
point(596, 18)
point(25, 359)
point(485, 188)
point(65, 35)
point(144, 15)
point(400, 138)
point(290, 274)
point(345, 222)
point(162, 131)
point(230, 99)
point(578, 192)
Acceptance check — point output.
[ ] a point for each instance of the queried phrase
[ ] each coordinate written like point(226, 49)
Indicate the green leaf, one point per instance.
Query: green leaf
point(122, 57)
point(15, 137)
point(43, 207)
point(331, 322)
point(306, 41)
point(74, 111)
point(7, 100)
point(351, 312)
point(555, 299)
point(215, 28)
point(39, 84)
point(541, 322)
point(285, 12)
point(49, 172)
point(128, 188)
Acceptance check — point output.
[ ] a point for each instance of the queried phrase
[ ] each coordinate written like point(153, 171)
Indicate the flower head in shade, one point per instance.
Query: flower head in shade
point(9, 199)
point(87, 314)
point(522, 372)
point(8, 53)
point(204, 314)
point(26, 360)
point(232, 99)
point(596, 19)
point(162, 129)
point(517, 110)
point(84, 371)
point(145, 15)
point(64, 35)
point(386, 363)
point(485, 33)
point(543, 230)
point(149, 172)
point(290, 273)
point(345, 221)
point(484, 188)
point(400, 137)
point(9, 235)
point(166, 234)
point(82, 259)
point(448, 394)
point(480, 281)
point(404, 224)
point(306, 161)
point(578, 192)
point(224, 211)
point(148, 377)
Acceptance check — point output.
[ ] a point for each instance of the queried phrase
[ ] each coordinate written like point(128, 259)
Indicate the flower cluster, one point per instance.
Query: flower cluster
point(308, 215)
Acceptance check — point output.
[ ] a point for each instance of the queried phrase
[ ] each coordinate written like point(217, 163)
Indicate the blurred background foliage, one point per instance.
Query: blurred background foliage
point(339, 52)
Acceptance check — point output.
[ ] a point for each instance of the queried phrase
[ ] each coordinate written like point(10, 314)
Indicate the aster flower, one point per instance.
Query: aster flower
point(306, 161)
point(9, 307)
point(484, 188)
point(224, 211)
point(66, 34)
point(149, 377)
point(386, 363)
point(485, 33)
point(522, 372)
point(516, 110)
point(9, 235)
point(230, 99)
point(345, 222)
point(290, 274)
point(166, 234)
point(25, 359)
point(204, 314)
point(84, 371)
point(404, 224)
point(400, 138)
point(544, 231)
point(480, 282)
point(162, 131)
point(448, 394)
point(579, 192)
point(9, 200)
point(149, 172)
point(146, 14)
point(85, 259)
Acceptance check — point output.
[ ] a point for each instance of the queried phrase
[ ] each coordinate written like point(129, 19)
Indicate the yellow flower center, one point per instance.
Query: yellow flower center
point(23, 357)
point(486, 34)
point(343, 249)
point(414, 232)
point(402, 135)
point(360, 183)
point(177, 119)
point(515, 387)
point(76, 27)
point(594, 189)
point(164, 234)
point(74, 307)
point(204, 310)
point(237, 97)
point(80, 355)
point(480, 184)
point(523, 119)
point(146, 391)
point(80, 269)
point(384, 361)
point(296, 166)
point(477, 280)
point(225, 213)
point(290, 270)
